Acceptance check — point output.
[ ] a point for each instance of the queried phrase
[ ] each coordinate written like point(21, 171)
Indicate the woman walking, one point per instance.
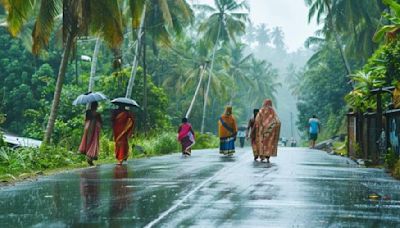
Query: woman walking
point(122, 123)
point(227, 130)
point(90, 139)
point(251, 133)
point(267, 126)
point(186, 137)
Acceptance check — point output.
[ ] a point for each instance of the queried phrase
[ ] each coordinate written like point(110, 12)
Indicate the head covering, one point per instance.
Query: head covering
point(267, 103)
point(228, 110)
point(184, 120)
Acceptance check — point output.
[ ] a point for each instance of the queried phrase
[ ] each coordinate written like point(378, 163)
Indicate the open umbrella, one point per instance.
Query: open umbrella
point(89, 98)
point(125, 101)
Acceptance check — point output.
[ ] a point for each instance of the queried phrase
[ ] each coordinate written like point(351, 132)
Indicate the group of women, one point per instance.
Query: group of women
point(122, 124)
point(263, 130)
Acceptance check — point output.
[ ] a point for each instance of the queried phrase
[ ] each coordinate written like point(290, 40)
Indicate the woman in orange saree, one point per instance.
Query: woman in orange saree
point(122, 124)
point(268, 128)
point(227, 130)
point(90, 139)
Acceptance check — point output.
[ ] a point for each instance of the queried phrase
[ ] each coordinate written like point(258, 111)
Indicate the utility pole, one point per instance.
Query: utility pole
point(291, 124)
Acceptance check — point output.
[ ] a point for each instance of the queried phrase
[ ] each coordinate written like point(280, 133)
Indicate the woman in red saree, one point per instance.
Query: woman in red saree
point(90, 139)
point(186, 137)
point(268, 128)
point(122, 124)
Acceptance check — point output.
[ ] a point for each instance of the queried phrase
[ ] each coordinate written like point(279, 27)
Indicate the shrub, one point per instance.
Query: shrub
point(391, 159)
point(204, 141)
point(396, 170)
point(157, 144)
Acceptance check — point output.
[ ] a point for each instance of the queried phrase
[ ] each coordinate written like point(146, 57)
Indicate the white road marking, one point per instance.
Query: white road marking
point(181, 201)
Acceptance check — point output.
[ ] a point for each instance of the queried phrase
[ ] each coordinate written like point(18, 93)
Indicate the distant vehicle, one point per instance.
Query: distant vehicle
point(16, 141)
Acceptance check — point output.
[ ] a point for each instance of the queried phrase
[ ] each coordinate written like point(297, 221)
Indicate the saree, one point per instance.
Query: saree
point(90, 139)
point(123, 123)
point(267, 131)
point(252, 134)
point(227, 130)
point(186, 137)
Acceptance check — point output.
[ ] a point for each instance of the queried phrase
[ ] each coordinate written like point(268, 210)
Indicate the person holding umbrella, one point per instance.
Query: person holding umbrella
point(93, 123)
point(122, 124)
point(91, 134)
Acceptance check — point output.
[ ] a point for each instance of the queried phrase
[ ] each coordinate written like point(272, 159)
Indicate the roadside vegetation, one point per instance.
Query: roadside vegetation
point(21, 163)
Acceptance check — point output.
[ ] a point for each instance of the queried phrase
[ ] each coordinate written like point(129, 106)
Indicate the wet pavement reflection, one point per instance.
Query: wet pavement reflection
point(300, 188)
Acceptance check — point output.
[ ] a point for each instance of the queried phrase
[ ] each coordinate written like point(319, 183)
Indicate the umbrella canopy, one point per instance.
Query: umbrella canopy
point(125, 101)
point(89, 98)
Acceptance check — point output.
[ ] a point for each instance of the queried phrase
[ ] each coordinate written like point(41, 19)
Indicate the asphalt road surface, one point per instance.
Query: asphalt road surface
point(299, 188)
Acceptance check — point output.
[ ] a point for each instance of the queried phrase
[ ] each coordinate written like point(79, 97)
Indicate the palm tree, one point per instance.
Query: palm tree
point(356, 21)
point(162, 18)
point(264, 77)
point(159, 18)
point(320, 8)
point(79, 18)
point(225, 23)
point(237, 66)
point(263, 35)
point(278, 38)
point(251, 33)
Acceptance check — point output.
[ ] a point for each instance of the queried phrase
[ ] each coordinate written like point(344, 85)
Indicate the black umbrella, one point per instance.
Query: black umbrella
point(89, 98)
point(125, 102)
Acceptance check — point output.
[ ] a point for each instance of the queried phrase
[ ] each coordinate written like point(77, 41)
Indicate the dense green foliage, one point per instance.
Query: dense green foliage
point(342, 47)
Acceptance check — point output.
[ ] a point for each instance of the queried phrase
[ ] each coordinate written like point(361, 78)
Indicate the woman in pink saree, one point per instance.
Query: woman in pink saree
point(267, 126)
point(91, 134)
point(186, 137)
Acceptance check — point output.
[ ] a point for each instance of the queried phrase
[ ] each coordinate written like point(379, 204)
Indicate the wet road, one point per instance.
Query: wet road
point(300, 188)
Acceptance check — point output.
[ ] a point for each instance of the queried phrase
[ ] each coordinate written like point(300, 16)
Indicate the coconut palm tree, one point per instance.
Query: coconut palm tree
point(159, 18)
point(322, 10)
point(278, 38)
point(263, 35)
point(237, 65)
point(225, 23)
point(162, 18)
point(79, 18)
point(264, 77)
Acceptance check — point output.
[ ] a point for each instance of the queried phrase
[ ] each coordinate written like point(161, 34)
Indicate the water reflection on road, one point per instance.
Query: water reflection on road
point(300, 188)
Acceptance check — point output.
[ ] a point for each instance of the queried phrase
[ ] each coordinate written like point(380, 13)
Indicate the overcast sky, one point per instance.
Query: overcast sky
point(291, 15)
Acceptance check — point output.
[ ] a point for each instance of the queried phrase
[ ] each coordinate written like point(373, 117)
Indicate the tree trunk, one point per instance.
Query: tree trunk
point(58, 89)
point(144, 82)
point(209, 77)
point(76, 64)
point(202, 69)
point(135, 59)
point(94, 64)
